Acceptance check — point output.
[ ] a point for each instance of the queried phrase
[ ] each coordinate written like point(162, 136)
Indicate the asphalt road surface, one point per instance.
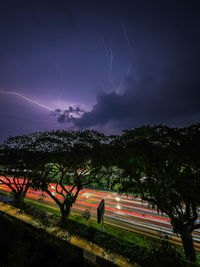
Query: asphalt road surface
point(120, 210)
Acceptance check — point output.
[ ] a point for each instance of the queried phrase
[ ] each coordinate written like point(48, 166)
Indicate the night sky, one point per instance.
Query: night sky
point(105, 65)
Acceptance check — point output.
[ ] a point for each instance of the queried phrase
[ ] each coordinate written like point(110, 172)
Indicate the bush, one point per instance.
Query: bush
point(86, 215)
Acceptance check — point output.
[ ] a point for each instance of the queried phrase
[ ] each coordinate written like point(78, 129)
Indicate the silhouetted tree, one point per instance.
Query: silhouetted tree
point(74, 160)
point(20, 167)
point(163, 166)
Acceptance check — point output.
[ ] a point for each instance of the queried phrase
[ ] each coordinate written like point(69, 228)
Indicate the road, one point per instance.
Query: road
point(121, 211)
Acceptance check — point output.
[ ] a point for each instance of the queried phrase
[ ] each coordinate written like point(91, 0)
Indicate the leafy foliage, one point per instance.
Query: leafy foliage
point(74, 159)
point(20, 168)
point(163, 166)
point(86, 215)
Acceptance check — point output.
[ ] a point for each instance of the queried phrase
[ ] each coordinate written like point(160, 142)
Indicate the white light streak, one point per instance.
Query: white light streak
point(117, 198)
point(27, 99)
point(85, 194)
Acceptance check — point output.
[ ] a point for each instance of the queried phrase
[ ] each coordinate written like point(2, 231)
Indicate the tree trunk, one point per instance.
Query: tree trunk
point(188, 245)
point(18, 199)
point(65, 211)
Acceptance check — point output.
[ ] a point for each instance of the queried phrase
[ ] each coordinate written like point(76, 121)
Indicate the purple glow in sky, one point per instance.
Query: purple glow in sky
point(105, 65)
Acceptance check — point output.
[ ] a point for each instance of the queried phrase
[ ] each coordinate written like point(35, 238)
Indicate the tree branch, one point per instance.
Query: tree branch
point(16, 185)
point(53, 197)
point(9, 185)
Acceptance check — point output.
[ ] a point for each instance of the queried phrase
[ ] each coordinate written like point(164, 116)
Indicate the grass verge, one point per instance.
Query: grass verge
point(137, 248)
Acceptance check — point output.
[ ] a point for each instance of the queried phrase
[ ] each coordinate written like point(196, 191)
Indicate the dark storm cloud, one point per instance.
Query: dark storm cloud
point(166, 87)
point(40, 12)
point(51, 51)
point(68, 115)
point(173, 101)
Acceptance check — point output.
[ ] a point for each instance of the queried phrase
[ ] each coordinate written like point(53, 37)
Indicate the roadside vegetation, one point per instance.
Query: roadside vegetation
point(160, 164)
point(22, 245)
point(138, 248)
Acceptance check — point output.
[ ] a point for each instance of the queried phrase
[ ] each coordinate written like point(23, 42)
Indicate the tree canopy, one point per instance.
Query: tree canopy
point(159, 163)
point(21, 168)
point(74, 159)
point(163, 167)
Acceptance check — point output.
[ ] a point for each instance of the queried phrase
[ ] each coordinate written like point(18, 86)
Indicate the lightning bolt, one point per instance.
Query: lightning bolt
point(109, 53)
point(27, 99)
point(130, 47)
point(111, 64)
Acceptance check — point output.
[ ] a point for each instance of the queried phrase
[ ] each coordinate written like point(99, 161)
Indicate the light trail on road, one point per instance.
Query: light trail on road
point(120, 211)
